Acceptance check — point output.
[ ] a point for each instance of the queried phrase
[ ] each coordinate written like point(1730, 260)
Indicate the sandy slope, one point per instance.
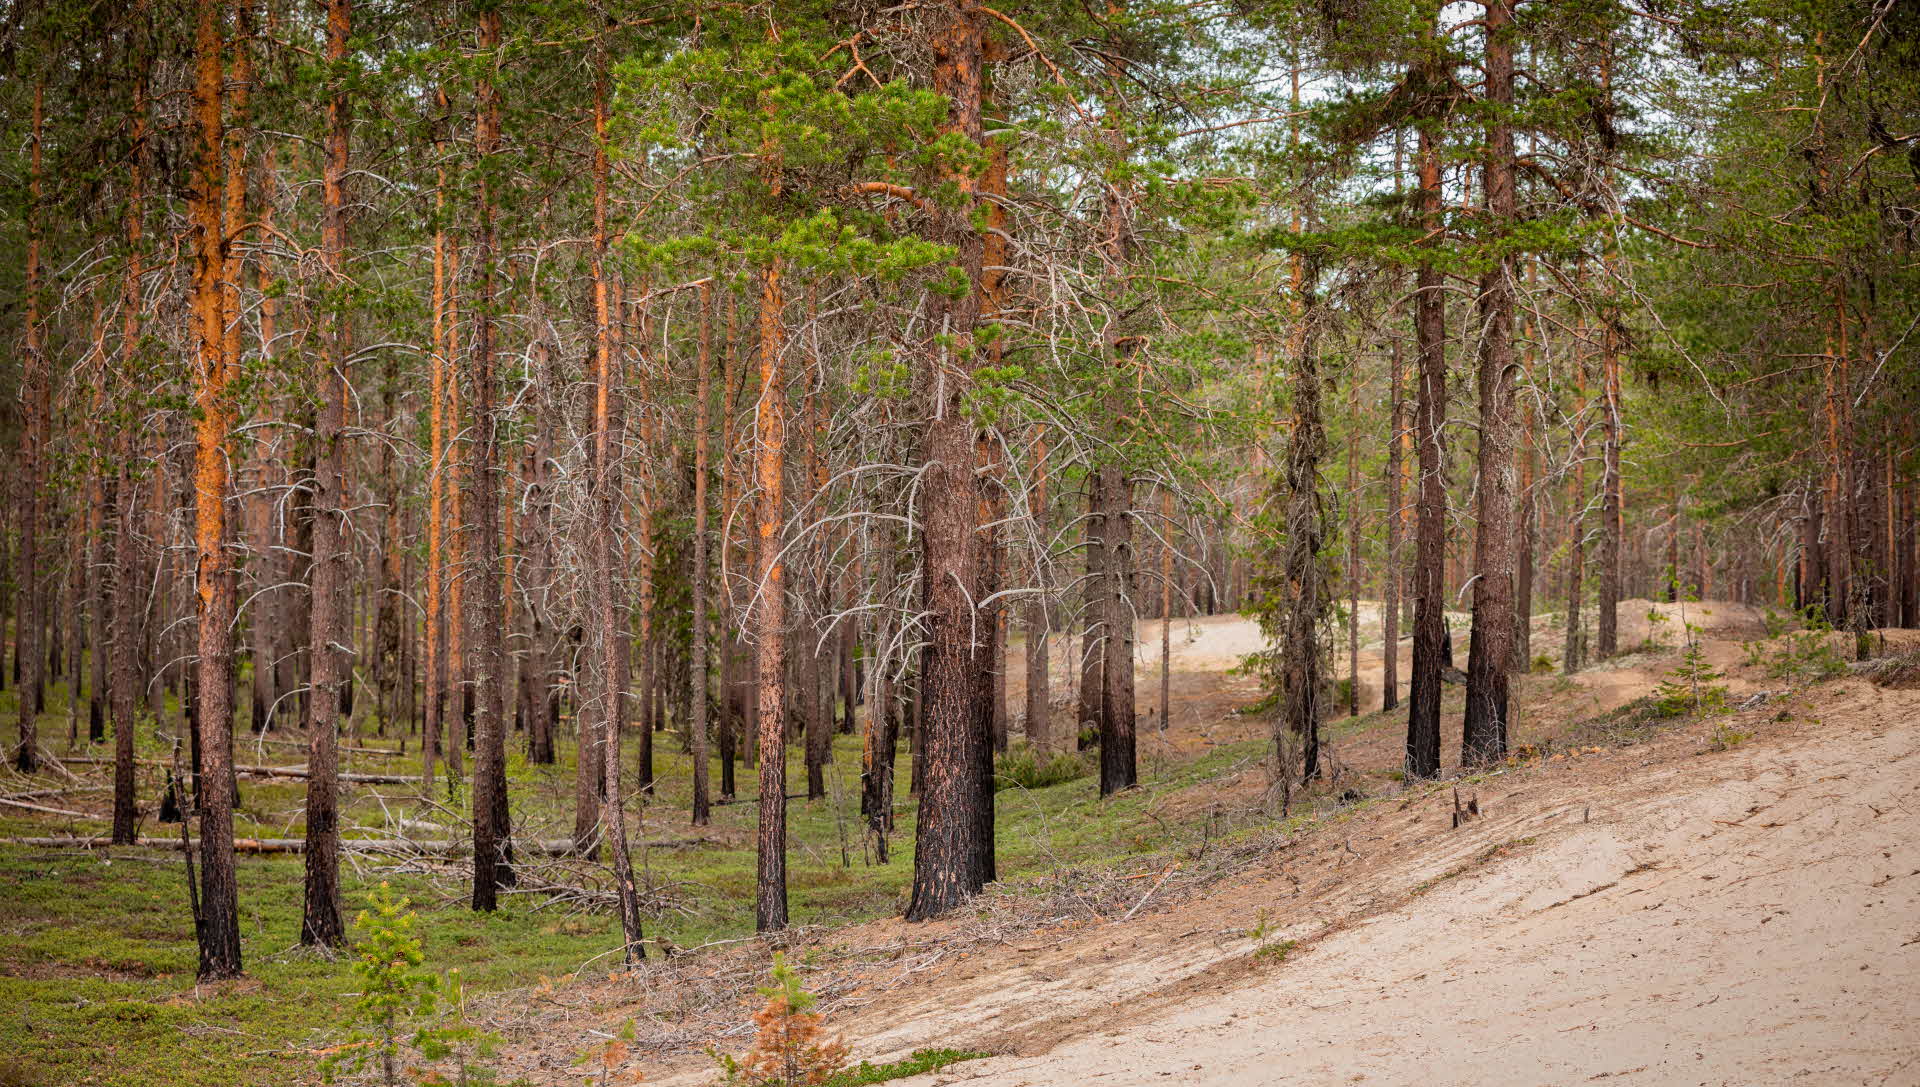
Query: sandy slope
point(1649, 908)
point(1742, 917)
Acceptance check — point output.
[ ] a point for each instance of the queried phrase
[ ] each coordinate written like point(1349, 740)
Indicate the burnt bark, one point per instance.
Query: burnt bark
point(1430, 539)
point(953, 853)
point(1490, 649)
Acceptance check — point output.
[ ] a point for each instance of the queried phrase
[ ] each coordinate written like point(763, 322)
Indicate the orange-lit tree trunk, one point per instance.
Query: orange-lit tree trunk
point(218, 923)
point(321, 923)
point(770, 435)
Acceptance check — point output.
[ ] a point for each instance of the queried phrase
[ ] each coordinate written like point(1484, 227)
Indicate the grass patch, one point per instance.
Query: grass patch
point(99, 946)
point(921, 1062)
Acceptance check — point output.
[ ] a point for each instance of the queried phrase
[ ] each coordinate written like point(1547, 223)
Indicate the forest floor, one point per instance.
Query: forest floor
point(1734, 898)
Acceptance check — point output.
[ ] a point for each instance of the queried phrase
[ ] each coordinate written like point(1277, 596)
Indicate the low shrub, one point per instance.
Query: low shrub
point(1026, 769)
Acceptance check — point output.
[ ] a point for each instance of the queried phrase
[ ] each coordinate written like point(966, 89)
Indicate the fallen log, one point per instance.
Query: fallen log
point(269, 771)
point(12, 803)
point(551, 847)
point(387, 751)
point(546, 847)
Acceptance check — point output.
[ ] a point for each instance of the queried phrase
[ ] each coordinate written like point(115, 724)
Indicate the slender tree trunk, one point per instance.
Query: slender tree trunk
point(36, 385)
point(770, 435)
point(1093, 660)
point(218, 925)
point(1525, 509)
point(435, 663)
point(492, 867)
point(1166, 608)
point(1039, 625)
point(1837, 469)
point(608, 632)
point(1573, 657)
point(321, 923)
point(1430, 539)
point(125, 616)
point(1612, 512)
point(1353, 542)
point(1118, 769)
point(262, 516)
point(697, 646)
point(1396, 497)
point(877, 753)
point(817, 725)
point(126, 503)
point(96, 577)
point(1307, 598)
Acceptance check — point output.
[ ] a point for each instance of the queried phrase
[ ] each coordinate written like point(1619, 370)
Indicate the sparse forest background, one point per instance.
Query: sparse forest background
point(580, 424)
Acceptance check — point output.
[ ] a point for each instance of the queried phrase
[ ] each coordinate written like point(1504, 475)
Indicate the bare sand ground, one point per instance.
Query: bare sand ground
point(1734, 901)
point(1753, 919)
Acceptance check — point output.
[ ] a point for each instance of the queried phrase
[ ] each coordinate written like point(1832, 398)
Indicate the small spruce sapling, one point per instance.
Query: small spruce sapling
point(398, 1002)
point(1690, 688)
point(393, 988)
point(791, 1048)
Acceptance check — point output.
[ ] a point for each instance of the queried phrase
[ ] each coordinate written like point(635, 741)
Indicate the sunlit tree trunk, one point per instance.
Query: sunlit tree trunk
point(218, 924)
point(769, 611)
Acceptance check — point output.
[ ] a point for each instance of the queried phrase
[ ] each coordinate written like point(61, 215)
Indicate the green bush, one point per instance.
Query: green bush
point(1806, 655)
point(399, 1009)
point(1025, 769)
point(1690, 688)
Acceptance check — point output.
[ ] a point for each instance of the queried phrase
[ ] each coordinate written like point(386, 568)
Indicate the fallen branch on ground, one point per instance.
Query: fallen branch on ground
point(272, 771)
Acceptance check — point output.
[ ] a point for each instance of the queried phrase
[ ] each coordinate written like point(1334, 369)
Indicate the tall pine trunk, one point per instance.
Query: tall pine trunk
point(492, 866)
point(1491, 644)
point(35, 393)
point(769, 595)
point(1430, 418)
point(321, 922)
point(218, 924)
point(953, 854)
point(697, 645)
